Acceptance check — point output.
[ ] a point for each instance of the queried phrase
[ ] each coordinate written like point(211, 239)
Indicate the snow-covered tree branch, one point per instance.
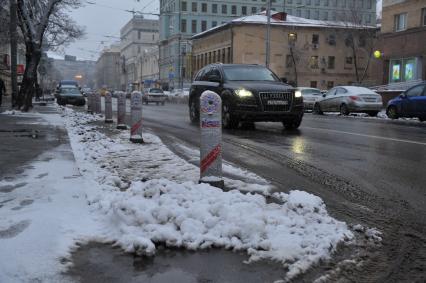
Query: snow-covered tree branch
point(45, 24)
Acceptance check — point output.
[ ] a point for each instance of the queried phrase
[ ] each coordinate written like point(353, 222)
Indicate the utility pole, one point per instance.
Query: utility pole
point(13, 50)
point(268, 35)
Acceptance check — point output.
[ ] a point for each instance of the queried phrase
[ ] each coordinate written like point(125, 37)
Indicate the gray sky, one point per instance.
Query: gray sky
point(104, 18)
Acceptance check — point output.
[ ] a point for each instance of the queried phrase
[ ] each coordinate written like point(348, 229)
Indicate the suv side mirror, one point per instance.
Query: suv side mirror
point(403, 95)
point(324, 95)
point(214, 78)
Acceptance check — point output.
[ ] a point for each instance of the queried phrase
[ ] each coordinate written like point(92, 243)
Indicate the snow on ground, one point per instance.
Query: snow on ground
point(43, 213)
point(380, 116)
point(149, 196)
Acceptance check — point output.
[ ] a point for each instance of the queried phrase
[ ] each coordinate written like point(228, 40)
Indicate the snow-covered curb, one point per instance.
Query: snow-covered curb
point(150, 196)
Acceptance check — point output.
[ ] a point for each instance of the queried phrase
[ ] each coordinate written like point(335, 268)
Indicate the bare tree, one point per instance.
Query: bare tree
point(44, 24)
point(361, 39)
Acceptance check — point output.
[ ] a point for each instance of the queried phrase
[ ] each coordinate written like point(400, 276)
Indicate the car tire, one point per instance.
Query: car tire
point(194, 112)
point(373, 113)
point(292, 124)
point(392, 113)
point(344, 110)
point(229, 121)
point(317, 109)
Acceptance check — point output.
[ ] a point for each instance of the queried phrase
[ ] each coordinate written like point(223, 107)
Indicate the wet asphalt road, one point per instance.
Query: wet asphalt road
point(368, 172)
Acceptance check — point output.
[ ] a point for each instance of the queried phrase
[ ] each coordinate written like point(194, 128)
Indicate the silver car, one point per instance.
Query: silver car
point(347, 99)
point(154, 95)
point(310, 96)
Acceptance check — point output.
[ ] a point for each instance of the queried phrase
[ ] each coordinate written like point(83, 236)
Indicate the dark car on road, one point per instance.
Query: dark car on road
point(70, 95)
point(411, 104)
point(250, 93)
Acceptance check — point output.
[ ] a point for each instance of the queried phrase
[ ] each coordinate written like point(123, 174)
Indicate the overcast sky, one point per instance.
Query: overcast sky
point(105, 18)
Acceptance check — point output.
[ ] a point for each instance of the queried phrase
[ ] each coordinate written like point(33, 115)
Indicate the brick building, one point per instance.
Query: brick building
point(402, 42)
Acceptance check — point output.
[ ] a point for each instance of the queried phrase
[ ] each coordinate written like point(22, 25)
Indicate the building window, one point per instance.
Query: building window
point(307, 14)
point(194, 6)
point(313, 62)
point(314, 84)
point(424, 16)
point(330, 84)
point(253, 10)
point(401, 22)
point(214, 24)
point(224, 9)
point(331, 39)
point(315, 39)
point(234, 10)
point(214, 8)
point(184, 7)
point(243, 10)
point(331, 62)
point(204, 7)
point(349, 62)
point(203, 25)
point(194, 26)
point(183, 25)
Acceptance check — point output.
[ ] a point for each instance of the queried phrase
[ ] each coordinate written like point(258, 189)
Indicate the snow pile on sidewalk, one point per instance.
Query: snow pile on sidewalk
point(149, 196)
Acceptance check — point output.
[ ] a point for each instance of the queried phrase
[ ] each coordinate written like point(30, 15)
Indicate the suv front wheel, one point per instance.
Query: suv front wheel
point(292, 124)
point(229, 121)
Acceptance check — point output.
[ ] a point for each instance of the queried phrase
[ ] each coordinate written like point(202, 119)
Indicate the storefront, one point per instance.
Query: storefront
point(405, 69)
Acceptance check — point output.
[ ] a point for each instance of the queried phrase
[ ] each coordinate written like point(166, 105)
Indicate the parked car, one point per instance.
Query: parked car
point(70, 95)
point(250, 93)
point(310, 96)
point(154, 95)
point(347, 99)
point(411, 103)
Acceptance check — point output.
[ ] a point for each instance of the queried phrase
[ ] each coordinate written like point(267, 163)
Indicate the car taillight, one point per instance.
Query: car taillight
point(355, 98)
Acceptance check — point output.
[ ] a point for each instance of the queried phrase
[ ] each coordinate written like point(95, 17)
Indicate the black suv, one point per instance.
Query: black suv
point(250, 93)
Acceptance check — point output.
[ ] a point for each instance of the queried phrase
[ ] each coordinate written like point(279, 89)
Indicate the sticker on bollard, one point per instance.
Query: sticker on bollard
point(108, 108)
point(136, 117)
point(121, 110)
point(211, 139)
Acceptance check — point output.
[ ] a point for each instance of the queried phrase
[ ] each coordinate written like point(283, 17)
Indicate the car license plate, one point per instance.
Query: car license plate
point(277, 102)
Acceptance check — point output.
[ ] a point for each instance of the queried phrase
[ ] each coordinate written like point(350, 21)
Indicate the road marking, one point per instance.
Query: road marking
point(367, 136)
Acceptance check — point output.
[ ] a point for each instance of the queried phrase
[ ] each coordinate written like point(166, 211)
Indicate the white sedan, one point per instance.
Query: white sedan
point(154, 95)
point(310, 96)
point(347, 99)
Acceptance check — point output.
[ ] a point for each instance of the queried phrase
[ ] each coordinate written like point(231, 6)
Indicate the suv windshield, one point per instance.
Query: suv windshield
point(70, 91)
point(248, 73)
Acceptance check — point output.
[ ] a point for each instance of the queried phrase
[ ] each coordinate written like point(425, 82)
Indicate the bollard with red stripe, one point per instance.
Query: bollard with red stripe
point(108, 108)
point(136, 117)
point(121, 110)
point(211, 139)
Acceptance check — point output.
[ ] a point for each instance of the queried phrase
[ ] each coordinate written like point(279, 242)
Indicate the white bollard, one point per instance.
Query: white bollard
point(121, 110)
point(136, 117)
point(108, 108)
point(211, 139)
point(97, 103)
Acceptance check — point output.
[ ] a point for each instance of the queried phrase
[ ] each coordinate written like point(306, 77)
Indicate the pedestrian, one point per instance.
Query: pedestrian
point(2, 90)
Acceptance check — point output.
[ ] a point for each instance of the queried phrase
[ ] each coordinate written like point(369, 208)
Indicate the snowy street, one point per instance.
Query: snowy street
point(140, 197)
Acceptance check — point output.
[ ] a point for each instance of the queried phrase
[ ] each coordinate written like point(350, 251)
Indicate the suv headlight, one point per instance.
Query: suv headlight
point(243, 93)
point(298, 94)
